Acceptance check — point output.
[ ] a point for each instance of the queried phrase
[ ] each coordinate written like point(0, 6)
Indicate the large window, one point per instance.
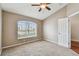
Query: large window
point(26, 29)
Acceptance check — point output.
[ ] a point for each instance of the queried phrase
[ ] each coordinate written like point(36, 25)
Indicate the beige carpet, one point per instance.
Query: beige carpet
point(40, 48)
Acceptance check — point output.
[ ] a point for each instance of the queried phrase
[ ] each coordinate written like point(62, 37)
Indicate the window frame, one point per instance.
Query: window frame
point(29, 36)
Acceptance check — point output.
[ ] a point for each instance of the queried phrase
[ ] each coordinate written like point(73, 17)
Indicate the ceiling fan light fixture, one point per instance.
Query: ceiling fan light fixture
point(43, 6)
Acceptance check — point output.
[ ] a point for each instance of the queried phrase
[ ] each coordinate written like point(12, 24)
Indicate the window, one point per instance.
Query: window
point(26, 29)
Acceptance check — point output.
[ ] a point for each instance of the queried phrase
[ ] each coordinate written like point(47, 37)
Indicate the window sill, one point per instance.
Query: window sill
point(27, 37)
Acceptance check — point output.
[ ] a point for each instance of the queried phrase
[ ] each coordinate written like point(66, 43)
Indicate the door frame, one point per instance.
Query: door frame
point(71, 15)
point(69, 31)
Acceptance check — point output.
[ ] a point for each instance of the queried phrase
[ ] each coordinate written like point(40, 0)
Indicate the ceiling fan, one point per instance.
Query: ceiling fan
point(42, 6)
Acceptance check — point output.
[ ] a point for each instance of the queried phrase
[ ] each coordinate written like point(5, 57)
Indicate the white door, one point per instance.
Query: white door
point(64, 32)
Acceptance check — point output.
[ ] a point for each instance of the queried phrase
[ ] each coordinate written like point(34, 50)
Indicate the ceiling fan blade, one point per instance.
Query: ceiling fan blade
point(48, 3)
point(40, 9)
point(48, 8)
point(35, 5)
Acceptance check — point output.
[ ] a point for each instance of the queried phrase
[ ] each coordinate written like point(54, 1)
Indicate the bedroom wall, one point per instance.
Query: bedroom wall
point(75, 27)
point(51, 25)
point(9, 29)
point(72, 9)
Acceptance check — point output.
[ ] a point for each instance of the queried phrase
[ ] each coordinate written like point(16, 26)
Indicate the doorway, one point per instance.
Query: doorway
point(75, 33)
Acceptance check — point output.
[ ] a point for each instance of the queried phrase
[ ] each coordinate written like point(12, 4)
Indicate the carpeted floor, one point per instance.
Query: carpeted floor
point(40, 48)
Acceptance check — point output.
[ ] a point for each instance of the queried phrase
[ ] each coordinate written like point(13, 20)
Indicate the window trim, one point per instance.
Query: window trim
point(31, 36)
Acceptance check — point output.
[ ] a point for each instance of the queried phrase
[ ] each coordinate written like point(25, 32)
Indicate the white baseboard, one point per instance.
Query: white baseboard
point(50, 41)
point(76, 40)
point(19, 44)
point(0, 51)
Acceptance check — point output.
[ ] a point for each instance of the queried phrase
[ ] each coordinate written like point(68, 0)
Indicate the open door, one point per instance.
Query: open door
point(64, 37)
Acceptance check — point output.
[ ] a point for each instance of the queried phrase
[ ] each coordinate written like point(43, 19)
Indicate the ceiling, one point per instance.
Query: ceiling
point(32, 11)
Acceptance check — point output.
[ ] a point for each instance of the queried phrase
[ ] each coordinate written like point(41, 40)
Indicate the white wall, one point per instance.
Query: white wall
point(0, 29)
point(51, 25)
point(75, 27)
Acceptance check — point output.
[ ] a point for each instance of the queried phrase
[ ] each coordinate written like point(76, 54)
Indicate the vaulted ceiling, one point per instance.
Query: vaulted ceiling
point(32, 11)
